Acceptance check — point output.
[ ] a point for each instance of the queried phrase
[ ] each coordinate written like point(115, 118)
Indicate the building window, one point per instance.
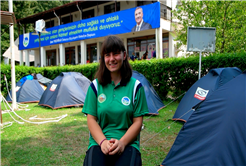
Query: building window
point(179, 3)
point(70, 55)
point(88, 14)
point(79, 54)
point(91, 53)
point(111, 8)
point(67, 19)
point(166, 12)
point(51, 58)
point(141, 45)
point(165, 46)
point(147, 43)
point(49, 24)
point(141, 3)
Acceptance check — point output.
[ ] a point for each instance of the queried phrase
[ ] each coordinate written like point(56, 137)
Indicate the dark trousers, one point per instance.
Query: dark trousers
point(95, 157)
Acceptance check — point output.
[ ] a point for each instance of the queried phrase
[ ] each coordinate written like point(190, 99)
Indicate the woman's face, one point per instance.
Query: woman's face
point(114, 60)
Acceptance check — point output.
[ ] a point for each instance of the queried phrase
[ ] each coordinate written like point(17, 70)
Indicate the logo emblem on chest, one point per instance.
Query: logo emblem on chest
point(125, 101)
point(101, 98)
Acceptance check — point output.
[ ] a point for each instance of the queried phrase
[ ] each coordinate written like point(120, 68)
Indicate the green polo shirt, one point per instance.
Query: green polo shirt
point(115, 107)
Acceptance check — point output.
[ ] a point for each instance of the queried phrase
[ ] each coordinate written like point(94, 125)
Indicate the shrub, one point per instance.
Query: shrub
point(175, 75)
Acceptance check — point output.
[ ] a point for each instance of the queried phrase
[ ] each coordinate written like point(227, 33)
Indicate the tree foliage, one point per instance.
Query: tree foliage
point(228, 17)
point(24, 9)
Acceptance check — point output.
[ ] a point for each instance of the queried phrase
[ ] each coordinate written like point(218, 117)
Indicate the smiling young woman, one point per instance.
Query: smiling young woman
point(115, 104)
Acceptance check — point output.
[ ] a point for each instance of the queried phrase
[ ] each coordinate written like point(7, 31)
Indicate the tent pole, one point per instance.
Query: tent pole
point(200, 64)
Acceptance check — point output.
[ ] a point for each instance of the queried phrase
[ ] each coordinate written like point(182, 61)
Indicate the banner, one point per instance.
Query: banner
point(109, 24)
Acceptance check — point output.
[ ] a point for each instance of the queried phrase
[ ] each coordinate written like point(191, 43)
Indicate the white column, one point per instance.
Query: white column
point(62, 54)
point(21, 57)
point(98, 51)
point(125, 43)
point(57, 56)
point(76, 55)
point(157, 44)
point(42, 49)
point(44, 55)
point(11, 35)
point(36, 59)
point(158, 41)
point(161, 43)
point(27, 58)
point(171, 52)
point(83, 50)
point(24, 55)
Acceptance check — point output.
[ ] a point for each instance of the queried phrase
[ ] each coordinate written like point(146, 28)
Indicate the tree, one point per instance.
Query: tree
point(228, 17)
point(20, 8)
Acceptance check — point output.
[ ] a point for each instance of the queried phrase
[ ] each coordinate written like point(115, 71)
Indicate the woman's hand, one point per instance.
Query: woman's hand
point(105, 146)
point(117, 147)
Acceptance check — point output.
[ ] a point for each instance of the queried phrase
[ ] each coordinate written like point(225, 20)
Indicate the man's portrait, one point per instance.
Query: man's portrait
point(141, 25)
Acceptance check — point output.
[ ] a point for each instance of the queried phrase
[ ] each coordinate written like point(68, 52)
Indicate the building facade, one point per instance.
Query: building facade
point(75, 31)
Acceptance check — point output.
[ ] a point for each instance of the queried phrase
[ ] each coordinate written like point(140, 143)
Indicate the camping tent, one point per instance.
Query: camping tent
point(43, 80)
point(215, 134)
point(66, 90)
point(153, 100)
point(27, 90)
point(202, 89)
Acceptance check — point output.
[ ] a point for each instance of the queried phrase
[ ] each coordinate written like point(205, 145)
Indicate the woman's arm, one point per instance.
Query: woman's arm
point(130, 135)
point(97, 133)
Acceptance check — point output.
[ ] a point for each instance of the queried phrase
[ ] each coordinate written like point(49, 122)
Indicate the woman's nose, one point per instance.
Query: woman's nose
point(111, 56)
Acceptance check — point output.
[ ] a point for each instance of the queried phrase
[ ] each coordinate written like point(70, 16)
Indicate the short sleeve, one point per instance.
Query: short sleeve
point(90, 105)
point(140, 103)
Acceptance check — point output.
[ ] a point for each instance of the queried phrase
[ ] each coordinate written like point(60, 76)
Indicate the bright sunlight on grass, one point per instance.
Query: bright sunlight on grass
point(65, 142)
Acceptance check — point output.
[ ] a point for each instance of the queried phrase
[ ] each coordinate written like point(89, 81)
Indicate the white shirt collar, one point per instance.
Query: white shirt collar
point(139, 25)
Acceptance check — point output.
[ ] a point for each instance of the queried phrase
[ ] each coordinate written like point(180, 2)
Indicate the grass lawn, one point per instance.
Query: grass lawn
point(65, 142)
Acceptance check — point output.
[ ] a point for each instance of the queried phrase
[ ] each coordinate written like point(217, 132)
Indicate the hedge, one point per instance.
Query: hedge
point(168, 76)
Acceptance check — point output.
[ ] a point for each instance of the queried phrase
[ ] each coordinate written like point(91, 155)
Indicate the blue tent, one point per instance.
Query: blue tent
point(27, 90)
point(66, 90)
point(215, 134)
point(203, 88)
point(153, 100)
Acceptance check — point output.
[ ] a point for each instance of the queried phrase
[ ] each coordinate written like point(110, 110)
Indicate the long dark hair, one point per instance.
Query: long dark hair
point(112, 44)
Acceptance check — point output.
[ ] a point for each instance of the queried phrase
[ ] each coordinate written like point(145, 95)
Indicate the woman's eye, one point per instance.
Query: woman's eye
point(106, 54)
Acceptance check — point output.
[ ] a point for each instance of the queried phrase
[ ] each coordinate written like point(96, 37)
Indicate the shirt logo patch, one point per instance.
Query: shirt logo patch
point(101, 98)
point(125, 100)
point(201, 94)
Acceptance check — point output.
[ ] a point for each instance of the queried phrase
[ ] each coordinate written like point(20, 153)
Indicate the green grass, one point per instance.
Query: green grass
point(65, 142)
